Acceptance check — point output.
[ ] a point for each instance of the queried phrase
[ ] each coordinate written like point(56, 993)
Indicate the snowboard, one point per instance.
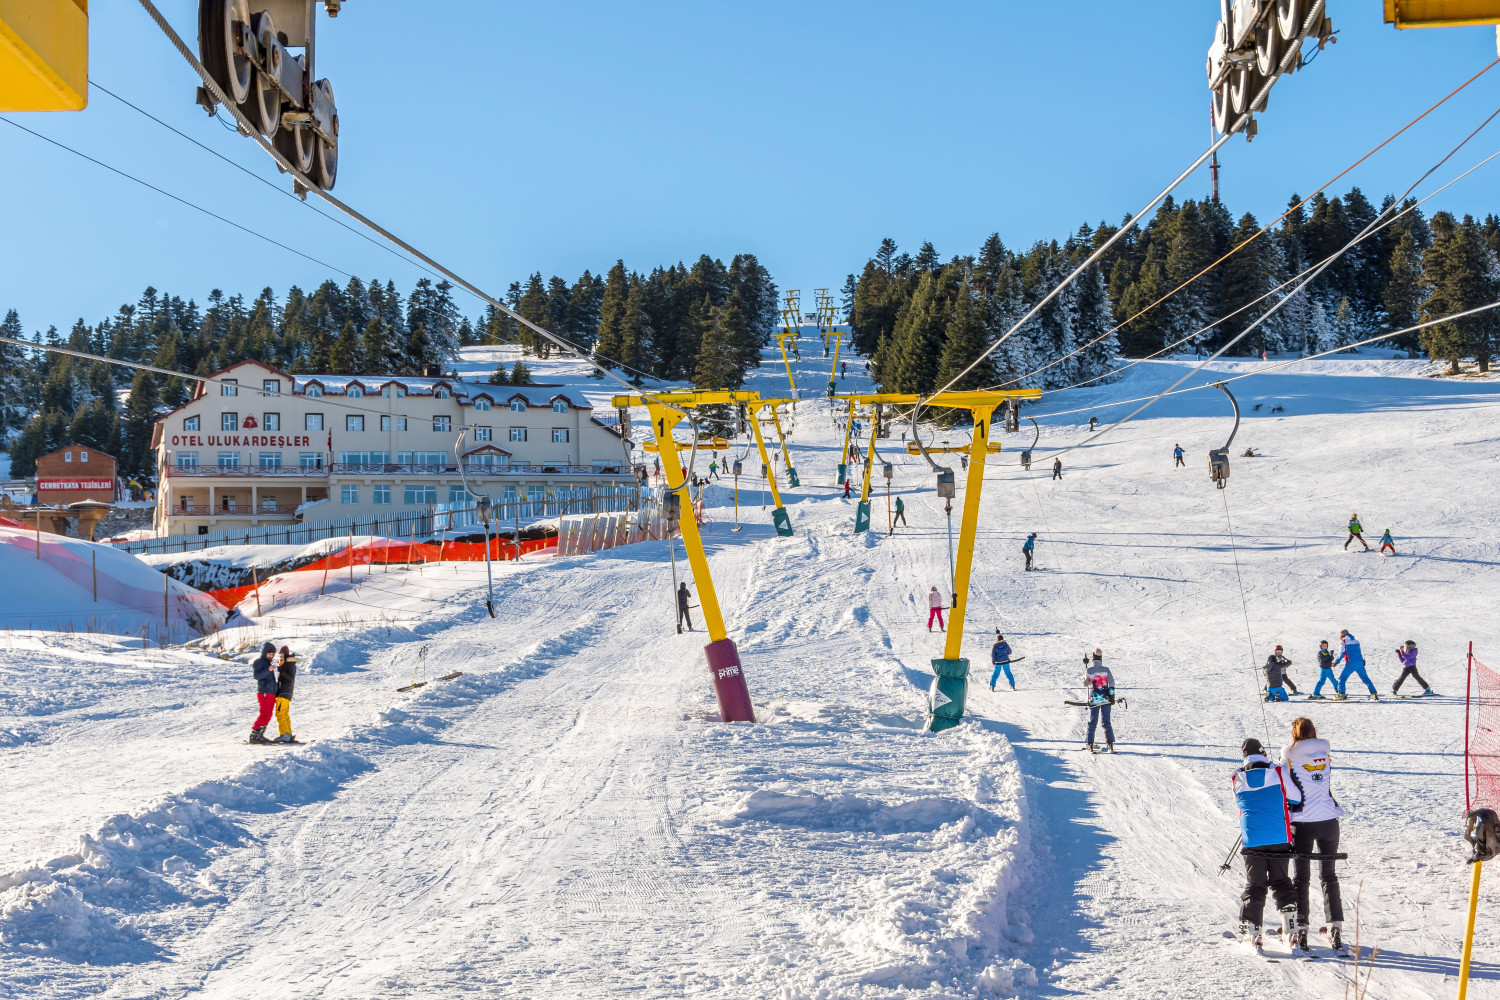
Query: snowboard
point(274, 743)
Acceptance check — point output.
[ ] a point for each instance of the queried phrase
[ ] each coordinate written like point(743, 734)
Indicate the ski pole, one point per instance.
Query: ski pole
point(1229, 858)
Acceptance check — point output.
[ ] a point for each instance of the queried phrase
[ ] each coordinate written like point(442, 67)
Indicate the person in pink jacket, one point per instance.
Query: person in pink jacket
point(935, 609)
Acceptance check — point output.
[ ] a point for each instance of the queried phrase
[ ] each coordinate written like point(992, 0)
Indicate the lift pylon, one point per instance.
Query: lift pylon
point(950, 685)
point(786, 455)
point(791, 327)
point(862, 512)
point(844, 455)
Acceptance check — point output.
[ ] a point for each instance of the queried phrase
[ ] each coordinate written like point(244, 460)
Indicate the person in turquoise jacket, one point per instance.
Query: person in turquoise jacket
point(1000, 655)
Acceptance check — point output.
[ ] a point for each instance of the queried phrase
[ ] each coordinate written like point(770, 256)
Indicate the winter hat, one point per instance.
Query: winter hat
point(1098, 653)
point(268, 648)
point(1278, 647)
point(1251, 746)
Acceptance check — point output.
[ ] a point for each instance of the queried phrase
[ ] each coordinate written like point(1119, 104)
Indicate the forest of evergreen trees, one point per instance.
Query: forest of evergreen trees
point(706, 323)
point(923, 320)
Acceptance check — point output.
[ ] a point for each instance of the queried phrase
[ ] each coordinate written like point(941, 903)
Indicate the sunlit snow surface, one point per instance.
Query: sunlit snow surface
point(567, 819)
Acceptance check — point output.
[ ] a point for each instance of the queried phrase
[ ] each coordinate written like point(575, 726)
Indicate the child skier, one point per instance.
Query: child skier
point(1276, 679)
point(935, 609)
point(1028, 549)
point(1325, 672)
point(1355, 531)
point(1266, 801)
point(265, 692)
point(1353, 659)
point(1315, 829)
point(1407, 654)
point(1177, 456)
point(1000, 655)
point(1099, 692)
point(848, 488)
point(286, 680)
point(1387, 542)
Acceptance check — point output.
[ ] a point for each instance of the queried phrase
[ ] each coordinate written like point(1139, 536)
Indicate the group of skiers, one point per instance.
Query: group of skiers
point(1351, 655)
point(1357, 532)
point(1288, 816)
point(275, 677)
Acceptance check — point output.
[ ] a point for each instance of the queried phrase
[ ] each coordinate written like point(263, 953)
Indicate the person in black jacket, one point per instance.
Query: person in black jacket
point(265, 692)
point(286, 680)
point(682, 607)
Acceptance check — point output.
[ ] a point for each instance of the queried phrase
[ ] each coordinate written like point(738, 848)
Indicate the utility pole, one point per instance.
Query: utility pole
point(1213, 163)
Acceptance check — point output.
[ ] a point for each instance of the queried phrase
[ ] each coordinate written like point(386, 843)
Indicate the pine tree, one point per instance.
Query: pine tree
point(520, 374)
point(1404, 291)
point(917, 340)
point(140, 414)
point(344, 354)
point(499, 376)
point(1463, 273)
point(13, 407)
point(380, 352)
point(610, 342)
point(636, 335)
point(963, 342)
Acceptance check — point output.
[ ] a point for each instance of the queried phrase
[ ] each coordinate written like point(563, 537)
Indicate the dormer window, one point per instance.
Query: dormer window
point(355, 392)
point(314, 390)
point(440, 393)
point(559, 406)
point(518, 406)
point(393, 390)
point(481, 403)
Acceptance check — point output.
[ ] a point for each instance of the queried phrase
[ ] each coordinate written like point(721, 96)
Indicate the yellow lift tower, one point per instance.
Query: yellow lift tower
point(828, 330)
point(44, 55)
point(945, 700)
point(791, 324)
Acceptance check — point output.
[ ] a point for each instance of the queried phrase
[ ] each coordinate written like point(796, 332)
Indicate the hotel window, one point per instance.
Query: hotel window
point(400, 423)
point(381, 494)
point(507, 494)
point(268, 502)
point(354, 422)
point(481, 404)
point(424, 458)
point(518, 434)
point(559, 435)
point(270, 460)
point(518, 406)
point(314, 390)
point(313, 422)
point(385, 423)
point(349, 493)
point(440, 393)
point(355, 392)
point(272, 386)
point(457, 494)
point(559, 406)
point(229, 387)
point(229, 460)
point(483, 434)
point(229, 421)
point(417, 495)
point(393, 390)
point(272, 422)
point(310, 459)
point(83, 456)
point(187, 459)
point(67, 456)
point(188, 503)
point(190, 423)
point(442, 424)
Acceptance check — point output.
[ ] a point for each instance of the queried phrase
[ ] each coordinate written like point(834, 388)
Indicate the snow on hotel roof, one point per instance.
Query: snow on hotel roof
point(463, 392)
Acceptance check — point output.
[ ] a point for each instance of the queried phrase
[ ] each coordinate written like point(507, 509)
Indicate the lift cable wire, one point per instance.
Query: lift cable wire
point(306, 184)
point(1266, 228)
point(176, 198)
point(263, 180)
point(1245, 607)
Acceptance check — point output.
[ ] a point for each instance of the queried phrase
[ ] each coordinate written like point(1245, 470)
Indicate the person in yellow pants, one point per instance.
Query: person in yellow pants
point(286, 680)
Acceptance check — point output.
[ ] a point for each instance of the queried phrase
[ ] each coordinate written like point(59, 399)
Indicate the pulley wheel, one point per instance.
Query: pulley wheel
point(299, 145)
point(1267, 46)
point(1289, 17)
point(263, 106)
point(326, 164)
point(230, 68)
point(1223, 113)
point(1242, 83)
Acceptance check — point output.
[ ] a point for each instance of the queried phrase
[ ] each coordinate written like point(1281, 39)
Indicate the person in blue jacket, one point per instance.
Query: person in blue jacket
point(1000, 656)
point(1353, 660)
point(1325, 672)
point(1028, 548)
point(1266, 801)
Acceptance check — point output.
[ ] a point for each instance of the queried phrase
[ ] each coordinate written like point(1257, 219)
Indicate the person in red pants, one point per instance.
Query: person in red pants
point(935, 609)
point(265, 691)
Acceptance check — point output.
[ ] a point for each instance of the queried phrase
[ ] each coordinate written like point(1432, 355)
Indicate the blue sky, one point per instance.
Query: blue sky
point(506, 138)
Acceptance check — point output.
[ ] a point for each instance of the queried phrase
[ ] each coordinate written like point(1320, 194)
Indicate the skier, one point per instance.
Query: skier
point(1315, 829)
point(935, 610)
point(1093, 423)
point(848, 487)
point(900, 514)
point(1099, 691)
point(843, 369)
point(1000, 656)
point(1265, 801)
point(286, 679)
point(265, 692)
point(1057, 468)
point(1325, 672)
point(1028, 549)
point(1387, 542)
point(1353, 659)
point(682, 607)
point(1177, 456)
point(713, 470)
point(1355, 531)
point(1407, 654)
point(1278, 663)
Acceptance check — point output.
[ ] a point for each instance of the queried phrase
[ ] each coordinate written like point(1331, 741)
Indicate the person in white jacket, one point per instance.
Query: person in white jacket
point(1315, 827)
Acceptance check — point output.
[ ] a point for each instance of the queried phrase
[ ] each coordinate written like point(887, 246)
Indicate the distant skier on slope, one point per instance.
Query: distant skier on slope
point(683, 597)
point(1028, 549)
point(1093, 423)
point(935, 610)
point(286, 680)
point(1099, 692)
point(265, 692)
point(1356, 531)
point(1325, 672)
point(1407, 654)
point(1315, 829)
point(1057, 468)
point(900, 515)
point(1387, 542)
point(1177, 456)
point(1266, 801)
point(1000, 655)
point(1353, 659)
point(848, 488)
point(713, 470)
point(1277, 679)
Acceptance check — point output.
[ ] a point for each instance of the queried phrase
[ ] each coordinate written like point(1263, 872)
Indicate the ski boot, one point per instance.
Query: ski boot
point(1429, 693)
point(1374, 696)
point(285, 738)
point(1109, 748)
point(1316, 697)
point(1089, 747)
point(1299, 944)
point(1250, 934)
point(1340, 697)
point(1336, 938)
point(1289, 924)
point(258, 735)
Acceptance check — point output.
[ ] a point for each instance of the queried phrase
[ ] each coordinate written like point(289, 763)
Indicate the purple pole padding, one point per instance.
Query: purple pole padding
point(729, 681)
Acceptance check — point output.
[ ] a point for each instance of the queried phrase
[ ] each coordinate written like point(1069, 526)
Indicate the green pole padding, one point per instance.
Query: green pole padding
point(843, 472)
point(945, 698)
point(791, 476)
point(782, 521)
point(862, 517)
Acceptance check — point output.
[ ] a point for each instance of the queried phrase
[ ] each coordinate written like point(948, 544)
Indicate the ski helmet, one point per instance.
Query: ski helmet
point(1251, 746)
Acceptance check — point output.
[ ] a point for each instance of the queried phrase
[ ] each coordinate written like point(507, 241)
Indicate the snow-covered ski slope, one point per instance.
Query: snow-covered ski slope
point(569, 819)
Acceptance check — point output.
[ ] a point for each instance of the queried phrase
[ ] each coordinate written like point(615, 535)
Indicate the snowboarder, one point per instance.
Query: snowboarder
point(286, 680)
point(1407, 654)
point(1099, 692)
point(1265, 801)
point(1000, 656)
point(935, 609)
point(1325, 672)
point(682, 607)
point(1093, 423)
point(1387, 542)
point(1177, 456)
point(1353, 659)
point(900, 515)
point(713, 470)
point(1315, 829)
point(265, 692)
point(1057, 468)
point(1028, 549)
point(1355, 531)
point(1277, 663)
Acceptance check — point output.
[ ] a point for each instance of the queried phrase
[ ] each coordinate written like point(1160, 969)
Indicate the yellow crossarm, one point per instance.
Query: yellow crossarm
point(1441, 13)
point(44, 55)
